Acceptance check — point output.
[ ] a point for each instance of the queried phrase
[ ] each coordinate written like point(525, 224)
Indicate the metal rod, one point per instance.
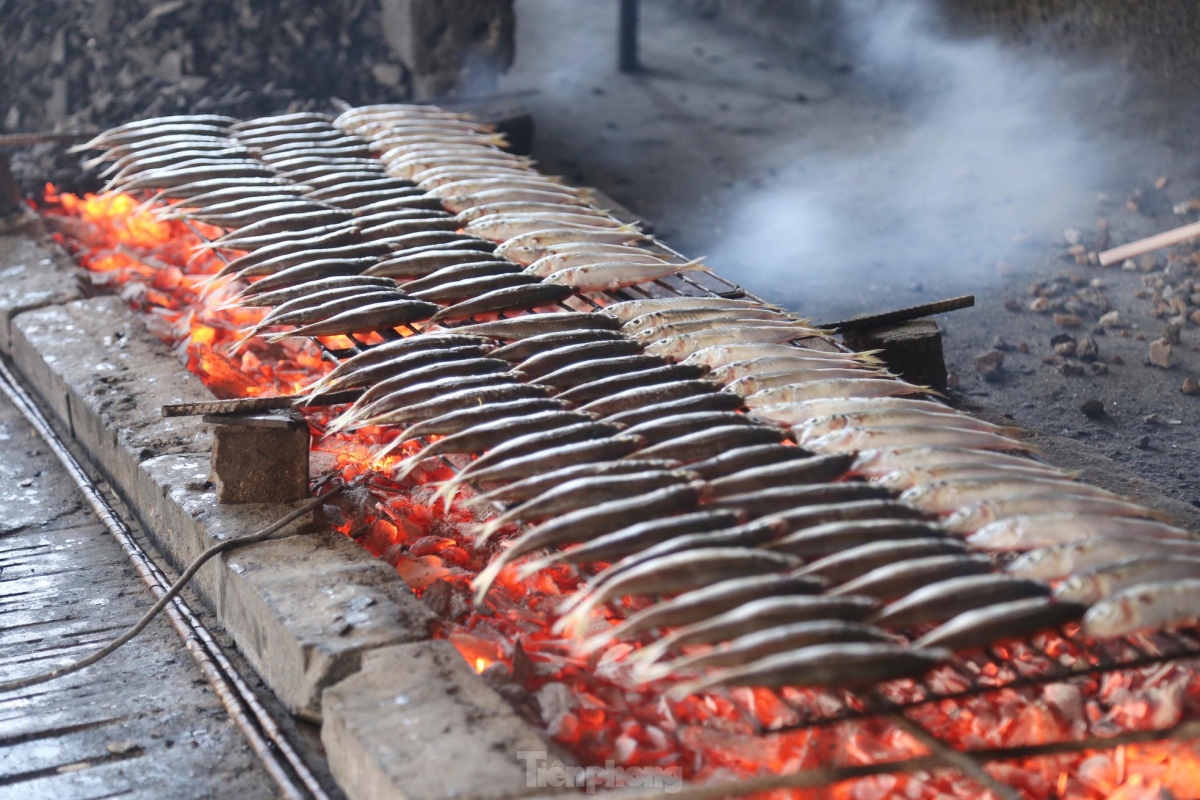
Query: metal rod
point(27, 139)
point(260, 730)
point(900, 315)
point(244, 404)
point(627, 42)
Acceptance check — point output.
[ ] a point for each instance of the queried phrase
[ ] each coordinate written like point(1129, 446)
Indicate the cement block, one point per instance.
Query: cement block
point(416, 723)
point(265, 462)
point(32, 275)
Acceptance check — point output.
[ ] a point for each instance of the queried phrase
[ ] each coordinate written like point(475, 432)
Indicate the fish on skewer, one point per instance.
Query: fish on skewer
point(938, 602)
point(588, 523)
point(649, 374)
point(648, 394)
point(629, 310)
point(514, 298)
point(902, 577)
point(683, 345)
point(1060, 561)
point(1145, 607)
point(454, 273)
point(854, 562)
point(845, 665)
point(740, 459)
point(1094, 585)
point(636, 538)
point(781, 639)
point(377, 316)
point(711, 402)
point(814, 469)
point(789, 498)
point(582, 492)
point(529, 325)
point(856, 439)
point(677, 573)
point(757, 615)
point(904, 479)
point(1044, 530)
point(879, 462)
point(830, 537)
point(458, 421)
point(1014, 620)
point(530, 488)
point(976, 515)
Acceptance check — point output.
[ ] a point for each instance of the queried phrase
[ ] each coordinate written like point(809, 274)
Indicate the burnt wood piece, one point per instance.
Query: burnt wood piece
point(900, 315)
point(10, 193)
point(912, 350)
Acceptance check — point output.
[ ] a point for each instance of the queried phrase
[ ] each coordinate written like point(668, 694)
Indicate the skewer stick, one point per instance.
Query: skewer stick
point(1179, 235)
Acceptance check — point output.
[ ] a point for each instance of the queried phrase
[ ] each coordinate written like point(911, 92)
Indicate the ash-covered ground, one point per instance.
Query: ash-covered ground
point(888, 162)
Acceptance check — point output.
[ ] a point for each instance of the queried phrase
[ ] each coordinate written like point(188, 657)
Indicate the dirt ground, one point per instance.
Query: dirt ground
point(720, 119)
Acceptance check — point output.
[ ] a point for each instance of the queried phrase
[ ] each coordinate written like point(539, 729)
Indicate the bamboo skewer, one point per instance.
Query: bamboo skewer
point(1158, 241)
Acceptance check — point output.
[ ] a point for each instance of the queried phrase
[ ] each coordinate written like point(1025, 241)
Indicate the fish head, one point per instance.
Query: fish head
point(1045, 562)
point(1116, 616)
point(1078, 589)
point(971, 518)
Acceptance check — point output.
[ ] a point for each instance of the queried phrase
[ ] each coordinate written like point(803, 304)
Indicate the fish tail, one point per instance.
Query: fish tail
point(651, 653)
point(698, 265)
point(149, 202)
point(574, 622)
point(94, 144)
point(597, 642)
point(485, 579)
point(236, 346)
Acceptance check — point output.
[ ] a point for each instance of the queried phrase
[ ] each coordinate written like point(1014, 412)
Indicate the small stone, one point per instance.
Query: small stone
point(1066, 349)
point(1087, 349)
point(1039, 305)
point(1181, 209)
point(989, 364)
point(1012, 304)
point(998, 343)
point(952, 380)
point(1142, 443)
point(1159, 419)
point(1148, 262)
point(1099, 368)
point(1171, 333)
point(1141, 337)
point(1162, 182)
point(1092, 407)
point(1023, 347)
point(1112, 320)
point(1191, 386)
point(1160, 353)
point(1073, 235)
point(1129, 265)
point(1116, 360)
point(121, 748)
point(1070, 370)
point(1052, 360)
point(1067, 320)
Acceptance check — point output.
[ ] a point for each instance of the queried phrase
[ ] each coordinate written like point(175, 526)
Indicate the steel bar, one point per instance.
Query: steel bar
point(900, 315)
point(260, 730)
point(243, 404)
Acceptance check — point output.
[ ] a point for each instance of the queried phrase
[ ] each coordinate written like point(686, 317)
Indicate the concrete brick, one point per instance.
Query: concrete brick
point(32, 275)
point(416, 723)
point(302, 608)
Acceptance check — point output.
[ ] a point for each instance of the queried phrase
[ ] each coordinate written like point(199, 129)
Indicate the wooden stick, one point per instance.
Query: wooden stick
point(900, 315)
point(1158, 241)
point(244, 404)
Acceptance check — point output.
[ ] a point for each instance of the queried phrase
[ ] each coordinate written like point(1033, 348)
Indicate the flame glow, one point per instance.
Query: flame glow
point(591, 706)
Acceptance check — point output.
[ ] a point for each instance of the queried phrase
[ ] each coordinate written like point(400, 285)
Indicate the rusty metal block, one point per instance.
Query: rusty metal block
point(260, 458)
point(912, 350)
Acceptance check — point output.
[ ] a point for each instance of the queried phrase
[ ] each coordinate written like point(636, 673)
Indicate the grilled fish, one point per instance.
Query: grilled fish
point(854, 562)
point(975, 516)
point(1058, 561)
point(817, 469)
point(790, 498)
point(1097, 584)
point(740, 459)
point(526, 349)
point(831, 537)
point(940, 601)
point(536, 324)
point(1150, 606)
point(588, 523)
point(1026, 533)
point(898, 579)
point(532, 487)
point(1016, 619)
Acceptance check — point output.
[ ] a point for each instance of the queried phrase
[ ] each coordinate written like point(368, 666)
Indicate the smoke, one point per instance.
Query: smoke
point(989, 149)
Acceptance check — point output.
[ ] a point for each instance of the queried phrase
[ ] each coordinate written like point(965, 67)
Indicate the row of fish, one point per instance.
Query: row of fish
point(623, 430)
